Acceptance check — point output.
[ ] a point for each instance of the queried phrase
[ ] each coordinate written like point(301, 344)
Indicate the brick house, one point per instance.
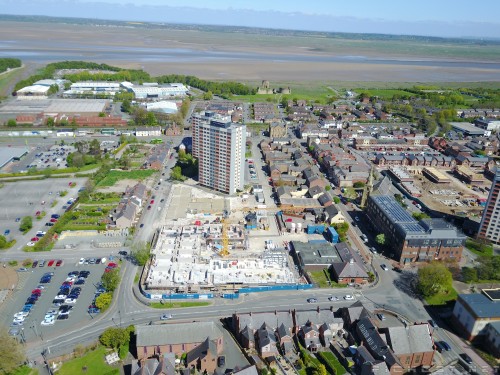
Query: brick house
point(180, 338)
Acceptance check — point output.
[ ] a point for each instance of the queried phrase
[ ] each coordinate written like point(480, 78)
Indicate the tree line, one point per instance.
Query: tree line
point(8, 63)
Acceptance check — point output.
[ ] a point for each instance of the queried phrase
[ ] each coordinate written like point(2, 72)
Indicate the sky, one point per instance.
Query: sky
point(447, 18)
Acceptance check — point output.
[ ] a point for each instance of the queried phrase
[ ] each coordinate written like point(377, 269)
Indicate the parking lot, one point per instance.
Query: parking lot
point(30, 280)
point(43, 157)
point(26, 198)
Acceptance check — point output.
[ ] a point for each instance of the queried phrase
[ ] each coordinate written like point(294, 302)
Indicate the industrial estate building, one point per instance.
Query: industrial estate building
point(490, 222)
point(219, 146)
point(412, 240)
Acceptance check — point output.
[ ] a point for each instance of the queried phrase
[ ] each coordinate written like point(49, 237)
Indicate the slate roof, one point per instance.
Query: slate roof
point(374, 342)
point(324, 199)
point(201, 351)
point(176, 333)
point(349, 270)
point(412, 339)
point(266, 336)
point(481, 305)
point(331, 211)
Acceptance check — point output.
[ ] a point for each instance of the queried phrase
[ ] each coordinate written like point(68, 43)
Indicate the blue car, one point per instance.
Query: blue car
point(94, 310)
point(27, 307)
point(7, 232)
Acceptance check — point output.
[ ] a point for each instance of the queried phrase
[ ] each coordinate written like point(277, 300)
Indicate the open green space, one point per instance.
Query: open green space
point(113, 176)
point(479, 247)
point(91, 363)
point(177, 305)
point(319, 278)
point(442, 298)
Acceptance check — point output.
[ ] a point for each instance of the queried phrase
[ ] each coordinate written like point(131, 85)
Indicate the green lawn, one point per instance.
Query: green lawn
point(334, 362)
point(113, 176)
point(385, 94)
point(25, 370)
point(177, 305)
point(479, 248)
point(319, 278)
point(94, 361)
point(442, 298)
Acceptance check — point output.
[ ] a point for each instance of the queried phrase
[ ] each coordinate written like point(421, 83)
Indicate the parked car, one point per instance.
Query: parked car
point(466, 358)
point(384, 267)
point(6, 232)
point(446, 346)
point(59, 263)
point(433, 324)
point(381, 316)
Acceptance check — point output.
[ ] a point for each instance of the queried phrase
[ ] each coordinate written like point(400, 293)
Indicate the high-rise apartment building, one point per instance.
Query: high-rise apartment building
point(219, 146)
point(490, 223)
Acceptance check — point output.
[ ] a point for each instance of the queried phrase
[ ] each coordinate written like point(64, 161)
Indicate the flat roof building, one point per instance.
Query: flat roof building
point(219, 146)
point(412, 240)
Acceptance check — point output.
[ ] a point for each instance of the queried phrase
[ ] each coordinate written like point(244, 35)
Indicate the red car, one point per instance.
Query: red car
point(51, 263)
point(36, 292)
point(53, 220)
point(59, 262)
point(152, 201)
point(37, 213)
point(112, 265)
point(34, 239)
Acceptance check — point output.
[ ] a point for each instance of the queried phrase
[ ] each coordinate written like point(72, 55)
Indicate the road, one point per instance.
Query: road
point(127, 310)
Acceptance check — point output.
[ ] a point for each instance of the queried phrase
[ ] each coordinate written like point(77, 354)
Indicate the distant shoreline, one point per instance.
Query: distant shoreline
point(226, 56)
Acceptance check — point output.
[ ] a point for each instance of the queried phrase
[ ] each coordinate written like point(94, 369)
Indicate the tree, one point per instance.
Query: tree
point(11, 123)
point(115, 337)
point(420, 215)
point(208, 95)
point(176, 174)
point(380, 239)
point(434, 278)
point(469, 274)
point(328, 188)
point(336, 200)
point(358, 185)
point(12, 358)
point(110, 280)
point(3, 242)
point(94, 147)
point(75, 159)
point(103, 301)
point(126, 105)
point(26, 224)
point(151, 119)
point(50, 122)
point(141, 252)
point(320, 370)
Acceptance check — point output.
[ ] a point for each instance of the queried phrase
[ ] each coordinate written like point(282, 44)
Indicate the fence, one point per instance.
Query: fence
point(236, 295)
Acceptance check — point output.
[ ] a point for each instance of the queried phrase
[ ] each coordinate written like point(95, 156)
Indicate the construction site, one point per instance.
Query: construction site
point(203, 245)
point(445, 191)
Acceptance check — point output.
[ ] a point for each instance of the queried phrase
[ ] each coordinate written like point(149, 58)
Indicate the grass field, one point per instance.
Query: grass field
point(177, 305)
point(92, 361)
point(442, 298)
point(479, 248)
point(114, 176)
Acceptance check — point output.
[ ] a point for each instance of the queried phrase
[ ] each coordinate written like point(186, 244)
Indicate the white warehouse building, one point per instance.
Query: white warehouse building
point(160, 92)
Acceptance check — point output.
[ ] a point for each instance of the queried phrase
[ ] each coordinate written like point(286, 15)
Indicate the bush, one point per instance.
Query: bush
point(26, 224)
